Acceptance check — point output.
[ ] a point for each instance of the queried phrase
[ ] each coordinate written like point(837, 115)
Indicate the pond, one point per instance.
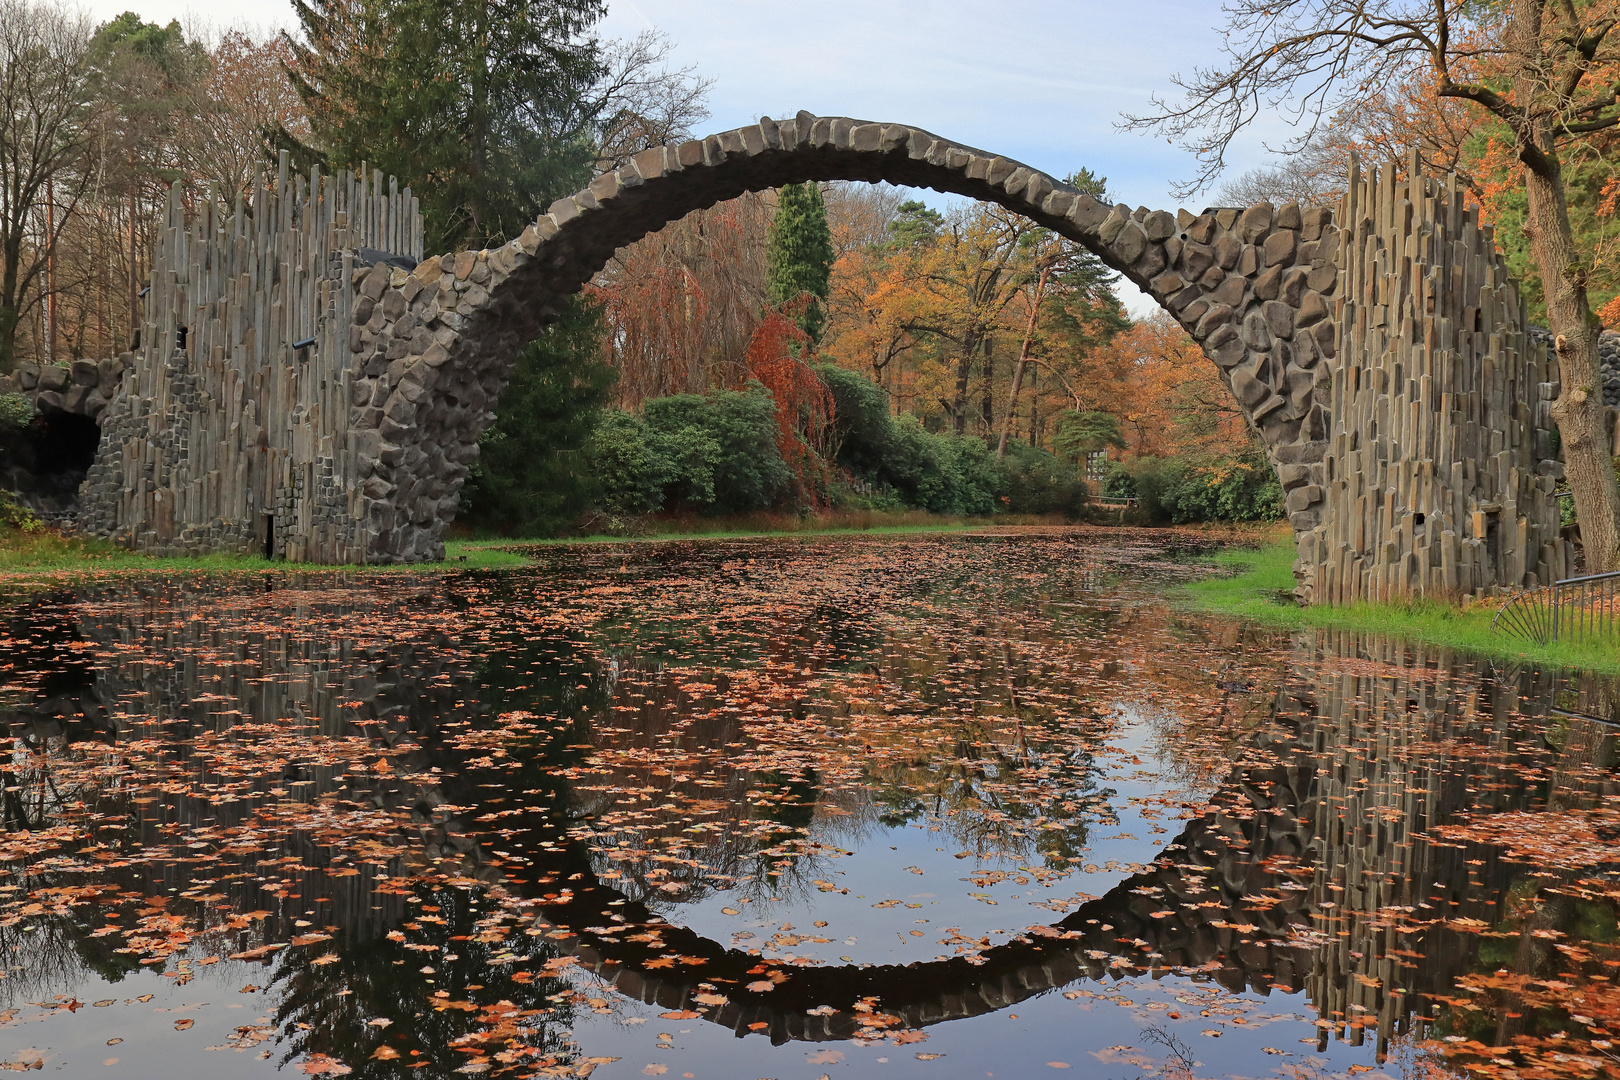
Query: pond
point(932, 806)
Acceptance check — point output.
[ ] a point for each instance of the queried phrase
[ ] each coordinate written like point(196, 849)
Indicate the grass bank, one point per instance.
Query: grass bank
point(46, 554)
point(1257, 583)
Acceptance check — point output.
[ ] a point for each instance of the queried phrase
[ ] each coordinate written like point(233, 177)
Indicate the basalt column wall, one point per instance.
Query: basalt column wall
point(1439, 470)
point(231, 430)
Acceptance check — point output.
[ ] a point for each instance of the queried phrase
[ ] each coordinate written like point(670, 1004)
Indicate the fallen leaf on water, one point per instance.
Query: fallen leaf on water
point(384, 1053)
point(183, 1025)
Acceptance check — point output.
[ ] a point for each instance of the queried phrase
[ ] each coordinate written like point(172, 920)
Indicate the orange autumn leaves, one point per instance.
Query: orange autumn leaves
point(1168, 396)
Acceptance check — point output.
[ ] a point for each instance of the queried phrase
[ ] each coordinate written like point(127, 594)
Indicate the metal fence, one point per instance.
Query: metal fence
point(1575, 609)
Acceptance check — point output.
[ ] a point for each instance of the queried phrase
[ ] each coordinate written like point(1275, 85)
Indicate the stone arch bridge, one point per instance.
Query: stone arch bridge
point(306, 387)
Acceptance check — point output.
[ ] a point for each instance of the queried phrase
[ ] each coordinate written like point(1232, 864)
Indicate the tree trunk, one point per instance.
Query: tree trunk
point(964, 368)
point(987, 406)
point(1018, 369)
point(1035, 408)
point(1579, 412)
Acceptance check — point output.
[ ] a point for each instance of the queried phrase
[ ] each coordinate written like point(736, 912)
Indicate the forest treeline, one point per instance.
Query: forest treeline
point(823, 346)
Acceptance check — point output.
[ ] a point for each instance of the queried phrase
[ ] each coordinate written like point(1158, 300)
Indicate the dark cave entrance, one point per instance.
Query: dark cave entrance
point(44, 462)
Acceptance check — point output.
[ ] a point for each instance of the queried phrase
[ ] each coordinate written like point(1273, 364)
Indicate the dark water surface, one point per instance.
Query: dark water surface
point(943, 806)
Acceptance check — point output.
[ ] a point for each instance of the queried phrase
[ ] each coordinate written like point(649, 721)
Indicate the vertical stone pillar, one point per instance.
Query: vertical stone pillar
point(1438, 474)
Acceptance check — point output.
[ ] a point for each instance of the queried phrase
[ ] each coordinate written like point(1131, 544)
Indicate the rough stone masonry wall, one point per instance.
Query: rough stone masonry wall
point(82, 387)
point(231, 430)
point(1439, 473)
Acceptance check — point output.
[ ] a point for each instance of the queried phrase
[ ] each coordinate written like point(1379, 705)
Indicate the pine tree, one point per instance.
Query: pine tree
point(799, 256)
point(482, 107)
point(533, 476)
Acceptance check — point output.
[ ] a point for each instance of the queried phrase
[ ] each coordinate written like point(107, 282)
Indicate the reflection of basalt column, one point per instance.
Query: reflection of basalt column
point(1404, 739)
point(209, 679)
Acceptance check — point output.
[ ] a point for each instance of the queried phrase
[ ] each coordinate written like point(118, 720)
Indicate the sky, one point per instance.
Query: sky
point(1043, 83)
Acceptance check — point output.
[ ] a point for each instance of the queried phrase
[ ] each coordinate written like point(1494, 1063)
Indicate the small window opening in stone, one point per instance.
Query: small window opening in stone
point(269, 536)
point(180, 337)
point(1417, 519)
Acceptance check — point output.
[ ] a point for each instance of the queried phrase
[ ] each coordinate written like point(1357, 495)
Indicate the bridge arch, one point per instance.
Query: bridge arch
point(1254, 287)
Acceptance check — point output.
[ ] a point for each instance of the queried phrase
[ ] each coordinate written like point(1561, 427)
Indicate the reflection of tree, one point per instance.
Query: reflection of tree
point(436, 1016)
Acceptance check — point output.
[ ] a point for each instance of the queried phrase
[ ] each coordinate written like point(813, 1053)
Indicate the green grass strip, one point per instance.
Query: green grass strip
point(1258, 584)
point(26, 556)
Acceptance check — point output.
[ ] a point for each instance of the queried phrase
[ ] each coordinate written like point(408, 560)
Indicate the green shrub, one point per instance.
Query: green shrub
point(628, 472)
point(1185, 490)
point(932, 473)
point(942, 473)
point(863, 430)
point(15, 516)
point(16, 412)
point(1036, 482)
point(719, 450)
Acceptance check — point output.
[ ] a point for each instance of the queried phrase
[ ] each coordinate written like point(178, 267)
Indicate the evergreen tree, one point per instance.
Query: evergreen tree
point(799, 255)
point(915, 223)
point(484, 108)
point(533, 476)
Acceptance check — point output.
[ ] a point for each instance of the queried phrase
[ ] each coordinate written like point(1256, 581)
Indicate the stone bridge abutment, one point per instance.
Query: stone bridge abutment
point(332, 403)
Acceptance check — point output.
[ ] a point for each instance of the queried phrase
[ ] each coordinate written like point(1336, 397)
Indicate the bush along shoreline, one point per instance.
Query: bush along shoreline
point(559, 462)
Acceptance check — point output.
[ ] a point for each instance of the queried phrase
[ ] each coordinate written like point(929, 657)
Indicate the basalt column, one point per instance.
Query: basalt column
point(1439, 472)
point(232, 428)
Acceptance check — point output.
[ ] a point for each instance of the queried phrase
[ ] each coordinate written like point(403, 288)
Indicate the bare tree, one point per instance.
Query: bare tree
point(860, 214)
point(1544, 68)
point(1316, 176)
point(643, 101)
point(232, 114)
point(47, 139)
